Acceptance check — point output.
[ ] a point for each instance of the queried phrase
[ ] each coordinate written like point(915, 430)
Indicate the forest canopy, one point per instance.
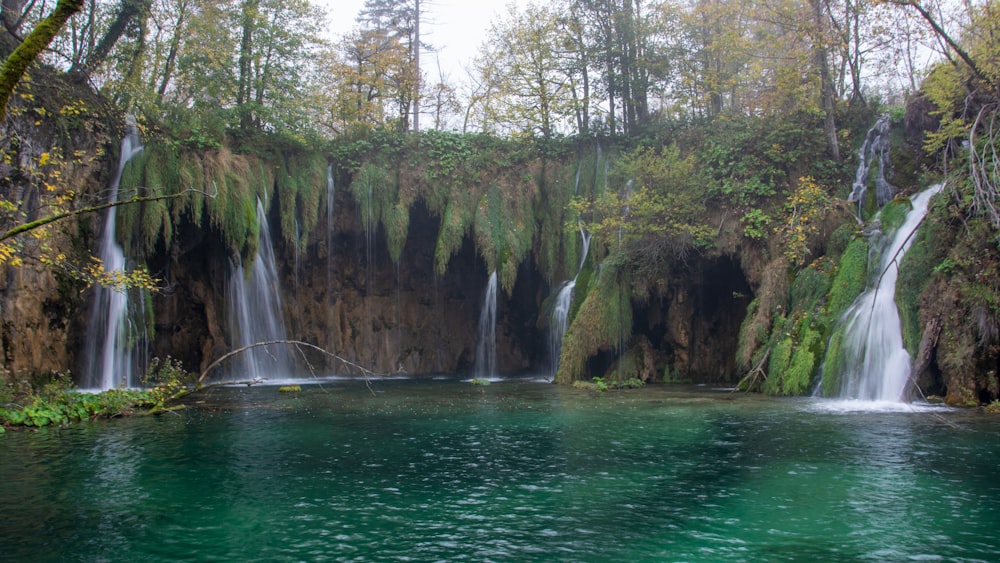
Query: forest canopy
point(606, 67)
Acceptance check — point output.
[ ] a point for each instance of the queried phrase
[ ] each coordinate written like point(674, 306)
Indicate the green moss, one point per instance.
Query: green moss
point(797, 380)
point(792, 364)
point(300, 182)
point(833, 363)
point(777, 365)
point(581, 290)
point(922, 261)
point(851, 277)
point(287, 187)
point(840, 238)
point(397, 225)
point(893, 214)
point(455, 223)
point(811, 285)
point(191, 176)
point(232, 211)
point(374, 192)
point(752, 332)
point(504, 228)
point(604, 322)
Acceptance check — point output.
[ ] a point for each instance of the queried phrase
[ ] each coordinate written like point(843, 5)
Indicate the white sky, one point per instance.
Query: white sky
point(455, 28)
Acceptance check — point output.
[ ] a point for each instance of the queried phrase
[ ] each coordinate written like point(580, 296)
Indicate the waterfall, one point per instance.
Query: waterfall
point(876, 366)
point(628, 208)
point(112, 336)
point(486, 343)
point(874, 149)
point(255, 313)
point(560, 309)
point(330, 209)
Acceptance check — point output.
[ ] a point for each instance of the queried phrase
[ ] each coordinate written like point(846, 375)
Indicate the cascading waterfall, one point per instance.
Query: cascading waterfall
point(486, 343)
point(113, 338)
point(875, 149)
point(876, 365)
point(255, 313)
point(560, 309)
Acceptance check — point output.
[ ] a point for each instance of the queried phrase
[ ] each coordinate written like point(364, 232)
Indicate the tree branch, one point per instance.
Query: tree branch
point(940, 32)
point(21, 229)
point(17, 64)
point(296, 343)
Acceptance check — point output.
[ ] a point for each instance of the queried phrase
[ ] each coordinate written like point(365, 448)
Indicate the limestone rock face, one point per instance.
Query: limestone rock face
point(40, 309)
point(353, 302)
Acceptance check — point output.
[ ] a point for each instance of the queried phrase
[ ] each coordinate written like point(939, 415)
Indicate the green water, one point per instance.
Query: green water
point(514, 471)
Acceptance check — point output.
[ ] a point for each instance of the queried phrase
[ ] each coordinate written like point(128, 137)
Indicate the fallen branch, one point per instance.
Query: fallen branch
point(755, 375)
point(297, 343)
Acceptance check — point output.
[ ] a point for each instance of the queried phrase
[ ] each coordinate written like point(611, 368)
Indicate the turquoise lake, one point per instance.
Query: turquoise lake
point(407, 470)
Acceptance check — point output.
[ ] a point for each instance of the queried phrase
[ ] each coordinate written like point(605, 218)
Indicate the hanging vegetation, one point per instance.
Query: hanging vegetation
point(603, 322)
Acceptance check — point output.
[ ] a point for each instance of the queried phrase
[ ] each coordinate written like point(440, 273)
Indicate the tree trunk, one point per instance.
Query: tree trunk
point(133, 75)
point(416, 67)
point(36, 41)
point(827, 93)
point(12, 12)
point(243, 91)
point(175, 43)
point(128, 10)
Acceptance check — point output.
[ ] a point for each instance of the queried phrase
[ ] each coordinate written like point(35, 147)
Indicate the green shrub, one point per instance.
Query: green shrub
point(595, 384)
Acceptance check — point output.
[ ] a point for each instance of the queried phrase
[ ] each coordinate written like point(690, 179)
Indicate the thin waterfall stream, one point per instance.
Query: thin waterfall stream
point(486, 343)
point(559, 321)
point(112, 338)
point(255, 313)
point(875, 364)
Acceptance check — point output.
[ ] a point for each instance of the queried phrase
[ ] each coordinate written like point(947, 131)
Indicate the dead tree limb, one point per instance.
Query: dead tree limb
point(755, 375)
point(297, 343)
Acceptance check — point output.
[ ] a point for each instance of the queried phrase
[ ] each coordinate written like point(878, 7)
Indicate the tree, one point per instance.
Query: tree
point(397, 23)
point(176, 18)
point(18, 62)
point(620, 34)
point(952, 43)
point(716, 37)
point(130, 16)
point(13, 14)
point(525, 70)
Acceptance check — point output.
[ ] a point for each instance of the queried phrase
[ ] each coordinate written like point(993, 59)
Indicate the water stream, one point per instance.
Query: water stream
point(876, 365)
point(112, 339)
point(486, 341)
point(558, 322)
point(330, 230)
point(255, 314)
point(874, 150)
